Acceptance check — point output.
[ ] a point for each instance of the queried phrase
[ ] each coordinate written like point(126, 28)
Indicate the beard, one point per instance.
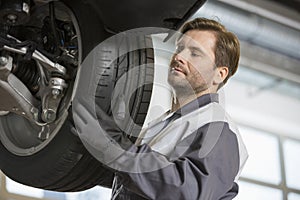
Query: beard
point(185, 84)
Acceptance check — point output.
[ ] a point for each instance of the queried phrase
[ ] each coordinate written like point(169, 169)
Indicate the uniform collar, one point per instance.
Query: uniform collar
point(198, 103)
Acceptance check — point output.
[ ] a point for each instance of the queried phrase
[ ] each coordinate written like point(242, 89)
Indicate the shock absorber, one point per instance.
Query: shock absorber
point(28, 73)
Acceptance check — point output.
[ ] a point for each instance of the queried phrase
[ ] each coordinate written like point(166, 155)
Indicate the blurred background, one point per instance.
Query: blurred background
point(263, 98)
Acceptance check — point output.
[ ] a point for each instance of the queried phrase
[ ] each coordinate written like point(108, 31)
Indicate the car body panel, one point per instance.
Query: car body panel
point(119, 16)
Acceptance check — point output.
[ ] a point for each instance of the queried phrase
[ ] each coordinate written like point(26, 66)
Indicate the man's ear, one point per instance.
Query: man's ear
point(221, 74)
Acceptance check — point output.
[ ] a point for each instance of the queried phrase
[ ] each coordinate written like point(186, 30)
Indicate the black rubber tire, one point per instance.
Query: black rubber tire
point(139, 100)
point(64, 164)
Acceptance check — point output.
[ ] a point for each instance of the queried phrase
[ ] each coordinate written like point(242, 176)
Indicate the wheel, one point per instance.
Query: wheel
point(52, 157)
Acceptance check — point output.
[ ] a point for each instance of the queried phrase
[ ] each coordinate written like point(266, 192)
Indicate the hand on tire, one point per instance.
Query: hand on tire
point(97, 139)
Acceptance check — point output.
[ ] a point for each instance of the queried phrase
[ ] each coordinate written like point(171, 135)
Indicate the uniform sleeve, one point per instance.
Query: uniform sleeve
point(204, 171)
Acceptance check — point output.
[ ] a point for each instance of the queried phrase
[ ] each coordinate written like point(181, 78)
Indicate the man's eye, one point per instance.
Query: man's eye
point(194, 54)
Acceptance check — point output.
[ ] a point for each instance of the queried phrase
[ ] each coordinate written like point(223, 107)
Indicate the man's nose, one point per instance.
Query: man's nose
point(181, 56)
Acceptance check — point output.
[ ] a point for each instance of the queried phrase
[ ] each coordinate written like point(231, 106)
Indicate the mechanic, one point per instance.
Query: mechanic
point(194, 151)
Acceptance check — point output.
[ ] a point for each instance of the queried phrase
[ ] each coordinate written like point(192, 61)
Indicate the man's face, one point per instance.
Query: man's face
point(192, 68)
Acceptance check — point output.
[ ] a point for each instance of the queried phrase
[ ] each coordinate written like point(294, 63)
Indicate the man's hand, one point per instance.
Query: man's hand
point(95, 137)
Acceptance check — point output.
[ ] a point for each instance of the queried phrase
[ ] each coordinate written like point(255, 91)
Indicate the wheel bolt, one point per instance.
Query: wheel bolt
point(55, 92)
point(49, 116)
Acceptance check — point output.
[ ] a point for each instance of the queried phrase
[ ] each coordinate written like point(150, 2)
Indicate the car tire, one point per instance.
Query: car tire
point(65, 164)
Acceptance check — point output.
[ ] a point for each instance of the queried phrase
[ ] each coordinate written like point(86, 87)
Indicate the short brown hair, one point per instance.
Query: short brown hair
point(227, 47)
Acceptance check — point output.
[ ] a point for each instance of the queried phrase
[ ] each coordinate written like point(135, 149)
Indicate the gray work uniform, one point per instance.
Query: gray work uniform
point(195, 153)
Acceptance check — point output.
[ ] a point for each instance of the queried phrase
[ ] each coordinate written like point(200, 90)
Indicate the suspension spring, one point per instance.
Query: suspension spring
point(28, 73)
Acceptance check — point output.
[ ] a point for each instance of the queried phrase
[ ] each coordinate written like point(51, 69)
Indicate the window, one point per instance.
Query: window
point(272, 170)
point(249, 191)
point(263, 163)
point(294, 196)
point(291, 151)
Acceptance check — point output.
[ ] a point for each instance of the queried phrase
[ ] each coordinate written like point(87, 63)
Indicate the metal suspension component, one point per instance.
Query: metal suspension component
point(30, 117)
point(54, 92)
point(17, 99)
point(28, 73)
point(38, 56)
point(14, 12)
point(38, 66)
